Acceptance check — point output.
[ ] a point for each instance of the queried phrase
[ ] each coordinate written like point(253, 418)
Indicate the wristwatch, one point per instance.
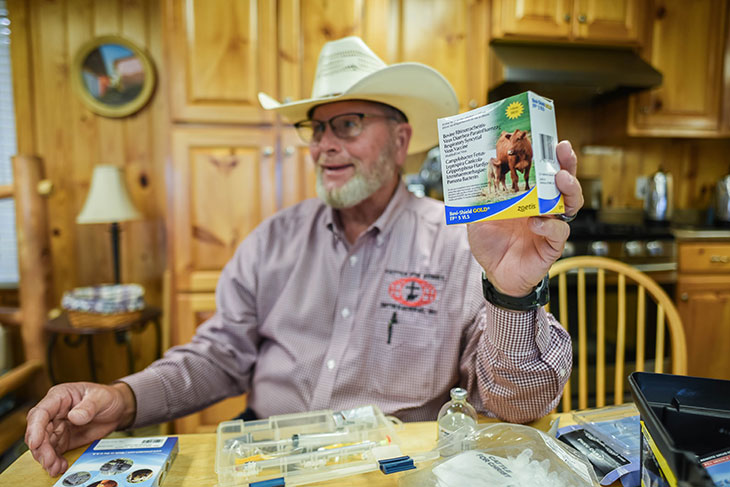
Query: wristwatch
point(539, 296)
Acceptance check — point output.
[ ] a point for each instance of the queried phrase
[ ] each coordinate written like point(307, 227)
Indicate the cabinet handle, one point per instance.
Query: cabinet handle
point(719, 259)
point(684, 297)
point(289, 151)
point(267, 151)
point(45, 187)
point(473, 103)
point(582, 18)
point(567, 17)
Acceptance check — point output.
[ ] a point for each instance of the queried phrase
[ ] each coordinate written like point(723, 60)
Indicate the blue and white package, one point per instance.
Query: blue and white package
point(122, 462)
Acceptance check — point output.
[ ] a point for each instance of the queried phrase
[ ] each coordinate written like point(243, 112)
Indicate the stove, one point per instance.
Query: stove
point(648, 246)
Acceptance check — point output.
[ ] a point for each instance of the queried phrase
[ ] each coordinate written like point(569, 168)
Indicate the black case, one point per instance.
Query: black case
point(685, 419)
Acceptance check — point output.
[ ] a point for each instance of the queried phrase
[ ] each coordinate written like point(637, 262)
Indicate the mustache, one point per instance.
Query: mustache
point(324, 160)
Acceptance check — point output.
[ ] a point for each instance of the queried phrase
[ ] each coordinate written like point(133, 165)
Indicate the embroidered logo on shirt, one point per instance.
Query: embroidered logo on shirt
point(412, 291)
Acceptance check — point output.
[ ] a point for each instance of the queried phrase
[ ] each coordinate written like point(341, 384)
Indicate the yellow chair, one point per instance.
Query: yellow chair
point(621, 277)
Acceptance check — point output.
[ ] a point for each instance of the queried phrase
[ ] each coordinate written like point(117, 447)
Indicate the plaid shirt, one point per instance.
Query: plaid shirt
point(306, 321)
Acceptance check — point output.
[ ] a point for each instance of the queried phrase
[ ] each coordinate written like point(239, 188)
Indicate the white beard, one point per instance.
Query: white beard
point(361, 185)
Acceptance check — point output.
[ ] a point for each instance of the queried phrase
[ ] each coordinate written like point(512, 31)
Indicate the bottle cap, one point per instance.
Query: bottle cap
point(458, 394)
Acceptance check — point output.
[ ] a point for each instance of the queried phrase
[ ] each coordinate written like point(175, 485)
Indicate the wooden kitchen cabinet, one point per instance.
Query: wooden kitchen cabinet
point(586, 21)
point(450, 36)
point(223, 185)
point(689, 102)
point(220, 54)
point(192, 310)
point(703, 302)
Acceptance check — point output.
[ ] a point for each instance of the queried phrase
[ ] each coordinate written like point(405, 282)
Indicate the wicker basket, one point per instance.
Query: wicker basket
point(82, 319)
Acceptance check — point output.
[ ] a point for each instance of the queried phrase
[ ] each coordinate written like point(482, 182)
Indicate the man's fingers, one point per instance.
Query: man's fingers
point(566, 156)
point(38, 419)
point(556, 232)
point(570, 187)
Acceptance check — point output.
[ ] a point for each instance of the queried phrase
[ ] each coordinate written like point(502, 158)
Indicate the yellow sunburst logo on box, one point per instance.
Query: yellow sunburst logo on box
point(514, 110)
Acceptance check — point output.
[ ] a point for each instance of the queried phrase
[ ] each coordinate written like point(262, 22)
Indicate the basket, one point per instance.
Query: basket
point(104, 306)
point(83, 319)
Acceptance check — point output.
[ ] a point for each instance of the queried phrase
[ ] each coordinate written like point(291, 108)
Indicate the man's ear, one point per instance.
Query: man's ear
point(401, 140)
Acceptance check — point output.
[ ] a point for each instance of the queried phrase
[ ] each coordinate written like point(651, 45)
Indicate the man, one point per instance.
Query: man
point(363, 297)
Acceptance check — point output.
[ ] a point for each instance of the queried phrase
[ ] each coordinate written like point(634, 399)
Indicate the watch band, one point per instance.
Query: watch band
point(539, 296)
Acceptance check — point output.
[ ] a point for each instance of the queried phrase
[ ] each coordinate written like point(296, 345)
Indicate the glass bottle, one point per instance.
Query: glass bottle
point(456, 414)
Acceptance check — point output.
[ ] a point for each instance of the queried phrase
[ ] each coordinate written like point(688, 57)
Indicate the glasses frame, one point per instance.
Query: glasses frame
point(309, 124)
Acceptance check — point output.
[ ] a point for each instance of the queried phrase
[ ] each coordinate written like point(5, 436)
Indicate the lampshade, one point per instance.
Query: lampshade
point(108, 200)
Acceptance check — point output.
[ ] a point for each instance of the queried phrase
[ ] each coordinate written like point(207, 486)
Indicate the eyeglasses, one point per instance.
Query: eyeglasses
point(344, 126)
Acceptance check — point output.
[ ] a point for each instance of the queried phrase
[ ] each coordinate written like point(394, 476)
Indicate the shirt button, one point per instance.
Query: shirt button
point(330, 364)
point(379, 240)
point(345, 312)
point(353, 260)
point(562, 372)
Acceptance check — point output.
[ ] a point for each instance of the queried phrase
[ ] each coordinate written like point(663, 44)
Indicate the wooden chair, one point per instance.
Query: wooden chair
point(34, 266)
point(613, 276)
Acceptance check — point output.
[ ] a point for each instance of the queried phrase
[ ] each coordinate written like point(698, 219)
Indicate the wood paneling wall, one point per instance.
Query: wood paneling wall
point(54, 124)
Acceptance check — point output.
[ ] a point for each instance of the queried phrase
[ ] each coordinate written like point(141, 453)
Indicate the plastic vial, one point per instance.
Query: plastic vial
point(456, 414)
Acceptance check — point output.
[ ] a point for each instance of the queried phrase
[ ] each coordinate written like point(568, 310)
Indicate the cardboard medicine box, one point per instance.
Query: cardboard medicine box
point(122, 462)
point(498, 161)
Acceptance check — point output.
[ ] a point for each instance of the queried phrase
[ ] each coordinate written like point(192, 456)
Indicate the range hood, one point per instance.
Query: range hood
point(567, 73)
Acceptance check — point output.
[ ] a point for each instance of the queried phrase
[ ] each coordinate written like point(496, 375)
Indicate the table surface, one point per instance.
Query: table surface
point(195, 463)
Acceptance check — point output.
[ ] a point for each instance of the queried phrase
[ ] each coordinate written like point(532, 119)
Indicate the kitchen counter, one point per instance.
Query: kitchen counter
point(701, 234)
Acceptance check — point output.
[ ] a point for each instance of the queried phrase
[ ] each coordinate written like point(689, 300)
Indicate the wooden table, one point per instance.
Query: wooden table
point(195, 464)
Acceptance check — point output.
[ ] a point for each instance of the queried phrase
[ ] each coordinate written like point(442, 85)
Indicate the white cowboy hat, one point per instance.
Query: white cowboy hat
point(348, 70)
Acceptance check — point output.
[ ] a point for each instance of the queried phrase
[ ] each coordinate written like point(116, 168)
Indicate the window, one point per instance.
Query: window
point(8, 240)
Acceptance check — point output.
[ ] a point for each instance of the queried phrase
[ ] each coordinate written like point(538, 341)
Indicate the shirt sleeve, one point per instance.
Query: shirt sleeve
point(516, 363)
point(217, 363)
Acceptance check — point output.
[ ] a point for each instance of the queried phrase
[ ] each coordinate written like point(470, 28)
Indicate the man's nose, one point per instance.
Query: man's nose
point(329, 142)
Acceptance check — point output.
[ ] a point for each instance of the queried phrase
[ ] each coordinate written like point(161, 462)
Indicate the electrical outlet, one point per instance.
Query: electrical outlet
point(640, 188)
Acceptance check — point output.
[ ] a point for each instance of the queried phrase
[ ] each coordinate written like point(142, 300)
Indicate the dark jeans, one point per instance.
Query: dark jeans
point(247, 415)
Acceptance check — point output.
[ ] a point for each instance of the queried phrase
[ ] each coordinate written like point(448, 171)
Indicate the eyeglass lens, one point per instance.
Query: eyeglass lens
point(344, 126)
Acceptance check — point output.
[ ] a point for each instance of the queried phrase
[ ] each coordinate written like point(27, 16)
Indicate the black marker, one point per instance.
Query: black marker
point(393, 321)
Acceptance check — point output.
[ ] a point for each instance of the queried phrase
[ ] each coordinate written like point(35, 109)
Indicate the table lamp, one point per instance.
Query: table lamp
point(108, 202)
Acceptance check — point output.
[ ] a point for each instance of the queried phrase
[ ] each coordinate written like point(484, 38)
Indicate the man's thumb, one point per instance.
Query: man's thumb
point(84, 411)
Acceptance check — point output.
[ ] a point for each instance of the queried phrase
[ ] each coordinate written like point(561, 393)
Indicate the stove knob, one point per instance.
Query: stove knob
point(599, 247)
point(568, 250)
point(655, 248)
point(633, 248)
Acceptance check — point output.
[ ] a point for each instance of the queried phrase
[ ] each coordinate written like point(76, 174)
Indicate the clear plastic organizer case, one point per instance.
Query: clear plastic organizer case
point(307, 447)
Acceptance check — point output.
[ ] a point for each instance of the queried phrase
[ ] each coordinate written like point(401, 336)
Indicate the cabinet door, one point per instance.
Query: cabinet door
point(221, 54)
point(614, 21)
point(298, 178)
point(704, 305)
point(304, 27)
point(223, 184)
point(687, 46)
point(448, 36)
point(452, 38)
point(192, 310)
point(532, 18)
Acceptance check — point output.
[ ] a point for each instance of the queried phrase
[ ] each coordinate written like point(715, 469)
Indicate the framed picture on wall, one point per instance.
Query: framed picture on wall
point(113, 76)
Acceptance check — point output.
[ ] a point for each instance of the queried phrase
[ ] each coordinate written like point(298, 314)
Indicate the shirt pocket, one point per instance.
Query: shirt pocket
point(406, 364)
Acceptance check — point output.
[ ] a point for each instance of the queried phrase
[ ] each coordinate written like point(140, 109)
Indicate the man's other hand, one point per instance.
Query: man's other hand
point(74, 414)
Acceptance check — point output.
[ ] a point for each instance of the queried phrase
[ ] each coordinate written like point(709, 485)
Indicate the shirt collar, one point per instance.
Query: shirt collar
point(382, 225)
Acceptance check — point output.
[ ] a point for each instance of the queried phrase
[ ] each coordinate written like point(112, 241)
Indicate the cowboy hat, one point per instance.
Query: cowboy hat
point(348, 69)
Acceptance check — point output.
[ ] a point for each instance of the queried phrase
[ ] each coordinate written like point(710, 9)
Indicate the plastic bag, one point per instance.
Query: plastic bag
point(504, 455)
point(609, 438)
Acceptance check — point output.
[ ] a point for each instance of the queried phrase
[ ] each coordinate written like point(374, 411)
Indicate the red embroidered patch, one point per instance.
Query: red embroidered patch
point(412, 291)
